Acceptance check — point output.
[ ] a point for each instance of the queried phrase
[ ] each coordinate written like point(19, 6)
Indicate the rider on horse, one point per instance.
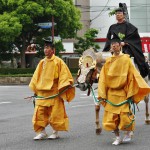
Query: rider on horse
point(130, 40)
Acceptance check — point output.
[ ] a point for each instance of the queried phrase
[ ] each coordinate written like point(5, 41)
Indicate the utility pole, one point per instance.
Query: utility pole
point(52, 25)
point(52, 28)
point(53, 31)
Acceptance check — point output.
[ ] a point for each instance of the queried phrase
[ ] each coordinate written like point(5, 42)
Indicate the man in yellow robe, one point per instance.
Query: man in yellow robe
point(51, 78)
point(119, 81)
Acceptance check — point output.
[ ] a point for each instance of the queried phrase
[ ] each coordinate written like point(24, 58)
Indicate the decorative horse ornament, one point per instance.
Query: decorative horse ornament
point(90, 65)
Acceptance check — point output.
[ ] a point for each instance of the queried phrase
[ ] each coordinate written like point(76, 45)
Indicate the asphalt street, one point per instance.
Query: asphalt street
point(16, 131)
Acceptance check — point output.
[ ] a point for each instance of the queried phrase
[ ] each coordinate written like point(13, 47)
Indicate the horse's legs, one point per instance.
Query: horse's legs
point(98, 128)
point(147, 119)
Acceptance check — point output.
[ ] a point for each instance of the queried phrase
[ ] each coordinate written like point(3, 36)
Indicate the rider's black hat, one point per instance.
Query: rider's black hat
point(115, 40)
point(119, 10)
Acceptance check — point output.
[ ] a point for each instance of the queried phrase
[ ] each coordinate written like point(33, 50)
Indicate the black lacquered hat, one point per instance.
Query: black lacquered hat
point(48, 41)
point(115, 40)
point(119, 10)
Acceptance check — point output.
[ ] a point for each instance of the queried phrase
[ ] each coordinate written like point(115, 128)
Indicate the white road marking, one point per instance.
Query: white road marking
point(83, 105)
point(5, 102)
point(93, 96)
point(83, 94)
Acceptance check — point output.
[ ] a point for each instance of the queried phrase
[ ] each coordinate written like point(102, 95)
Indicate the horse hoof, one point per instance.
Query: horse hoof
point(98, 131)
point(147, 122)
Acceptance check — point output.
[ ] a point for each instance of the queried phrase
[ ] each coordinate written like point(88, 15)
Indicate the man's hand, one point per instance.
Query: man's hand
point(102, 99)
point(123, 44)
point(35, 94)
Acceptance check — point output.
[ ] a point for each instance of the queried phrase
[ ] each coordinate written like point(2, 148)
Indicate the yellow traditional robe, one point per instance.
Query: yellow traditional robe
point(51, 77)
point(118, 81)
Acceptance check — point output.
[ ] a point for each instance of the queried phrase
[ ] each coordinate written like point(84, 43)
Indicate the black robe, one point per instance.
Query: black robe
point(134, 47)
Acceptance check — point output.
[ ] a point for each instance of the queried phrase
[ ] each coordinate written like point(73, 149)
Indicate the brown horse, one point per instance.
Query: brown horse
point(90, 65)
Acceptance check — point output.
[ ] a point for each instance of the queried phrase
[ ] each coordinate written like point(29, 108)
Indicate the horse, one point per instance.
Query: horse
point(90, 64)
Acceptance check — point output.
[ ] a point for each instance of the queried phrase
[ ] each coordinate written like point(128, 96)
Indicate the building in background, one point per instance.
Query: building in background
point(69, 56)
point(140, 17)
point(84, 6)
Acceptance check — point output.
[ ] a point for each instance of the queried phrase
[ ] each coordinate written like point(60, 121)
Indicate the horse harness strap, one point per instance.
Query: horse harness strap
point(131, 105)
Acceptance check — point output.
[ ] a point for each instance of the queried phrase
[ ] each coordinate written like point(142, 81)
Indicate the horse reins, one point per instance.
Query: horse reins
point(131, 105)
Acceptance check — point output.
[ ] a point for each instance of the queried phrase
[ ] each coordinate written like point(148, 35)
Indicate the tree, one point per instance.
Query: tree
point(87, 41)
point(59, 47)
point(27, 14)
point(10, 28)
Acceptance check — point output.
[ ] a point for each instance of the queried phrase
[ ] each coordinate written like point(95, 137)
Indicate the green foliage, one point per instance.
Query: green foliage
point(40, 53)
point(29, 13)
point(10, 27)
point(112, 12)
point(87, 41)
point(58, 47)
point(67, 18)
point(6, 56)
point(24, 72)
point(16, 75)
point(12, 71)
point(4, 46)
point(121, 36)
point(19, 19)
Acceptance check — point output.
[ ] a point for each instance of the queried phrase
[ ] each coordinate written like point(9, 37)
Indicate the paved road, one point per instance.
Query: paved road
point(16, 128)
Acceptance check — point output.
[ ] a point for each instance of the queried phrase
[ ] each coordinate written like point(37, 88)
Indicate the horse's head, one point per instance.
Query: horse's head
point(89, 67)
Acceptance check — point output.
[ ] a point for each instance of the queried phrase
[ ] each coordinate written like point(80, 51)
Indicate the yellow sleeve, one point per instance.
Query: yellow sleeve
point(35, 77)
point(136, 87)
point(102, 89)
point(66, 80)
